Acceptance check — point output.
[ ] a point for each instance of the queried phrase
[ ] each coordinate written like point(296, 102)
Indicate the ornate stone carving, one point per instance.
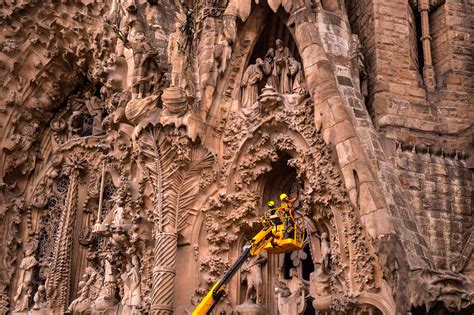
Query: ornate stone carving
point(252, 75)
point(291, 295)
point(119, 164)
point(25, 288)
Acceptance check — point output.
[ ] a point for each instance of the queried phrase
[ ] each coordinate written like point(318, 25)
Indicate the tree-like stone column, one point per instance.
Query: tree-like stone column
point(164, 273)
point(58, 283)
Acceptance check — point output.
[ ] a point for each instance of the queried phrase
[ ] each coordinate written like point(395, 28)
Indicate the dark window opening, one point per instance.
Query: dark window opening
point(281, 179)
point(287, 266)
point(307, 264)
point(419, 44)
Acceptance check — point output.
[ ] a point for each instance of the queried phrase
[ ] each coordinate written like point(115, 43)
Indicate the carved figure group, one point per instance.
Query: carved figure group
point(278, 70)
point(21, 155)
point(88, 290)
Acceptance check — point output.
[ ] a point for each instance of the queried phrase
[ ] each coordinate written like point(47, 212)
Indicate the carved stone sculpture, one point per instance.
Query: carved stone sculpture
point(194, 117)
point(145, 73)
point(22, 155)
point(280, 69)
point(325, 249)
point(24, 290)
point(131, 287)
point(255, 279)
point(319, 282)
point(179, 58)
point(252, 75)
point(298, 84)
point(95, 108)
point(40, 298)
point(268, 66)
point(106, 298)
point(291, 296)
point(88, 291)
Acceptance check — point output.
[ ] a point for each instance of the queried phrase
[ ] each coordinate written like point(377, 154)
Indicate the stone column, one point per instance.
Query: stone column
point(164, 272)
point(428, 71)
point(58, 282)
point(334, 122)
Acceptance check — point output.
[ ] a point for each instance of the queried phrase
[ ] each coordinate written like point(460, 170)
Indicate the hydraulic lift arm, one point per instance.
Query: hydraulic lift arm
point(252, 248)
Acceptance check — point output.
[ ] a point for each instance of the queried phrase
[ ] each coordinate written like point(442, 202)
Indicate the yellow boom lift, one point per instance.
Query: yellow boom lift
point(282, 232)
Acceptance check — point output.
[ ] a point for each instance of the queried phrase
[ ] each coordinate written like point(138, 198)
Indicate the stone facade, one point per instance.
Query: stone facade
point(141, 140)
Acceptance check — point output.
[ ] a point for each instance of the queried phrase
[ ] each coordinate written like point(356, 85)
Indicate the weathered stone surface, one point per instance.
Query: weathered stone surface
point(142, 140)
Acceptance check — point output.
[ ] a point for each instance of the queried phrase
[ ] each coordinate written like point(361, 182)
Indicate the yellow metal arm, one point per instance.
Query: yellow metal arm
point(271, 238)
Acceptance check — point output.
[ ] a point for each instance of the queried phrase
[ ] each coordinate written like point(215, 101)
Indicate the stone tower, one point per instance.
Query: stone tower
point(141, 141)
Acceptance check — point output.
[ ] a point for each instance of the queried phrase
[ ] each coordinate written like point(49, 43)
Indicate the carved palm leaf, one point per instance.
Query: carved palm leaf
point(181, 193)
point(157, 163)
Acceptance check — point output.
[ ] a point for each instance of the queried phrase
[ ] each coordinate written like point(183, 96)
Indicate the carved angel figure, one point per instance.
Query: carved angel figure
point(251, 76)
point(25, 279)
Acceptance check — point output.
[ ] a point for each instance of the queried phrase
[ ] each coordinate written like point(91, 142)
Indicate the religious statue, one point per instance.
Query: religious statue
point(291, 295)
point(298, 84)
point(252, 75)
point(176, 56)
point(95, 108)
point(280, 68)
point(254, 279)
point(179, 58)
point(131, 287)
point(324, 260)
point(268, 65)
point(80, 303)
point(77, 125)
point(145, 69)
point(319, 282)
point(226, 40)
point(40, 298)
point(25, 280)
point(133, 23)
point(88, 290)
point(106, 298)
